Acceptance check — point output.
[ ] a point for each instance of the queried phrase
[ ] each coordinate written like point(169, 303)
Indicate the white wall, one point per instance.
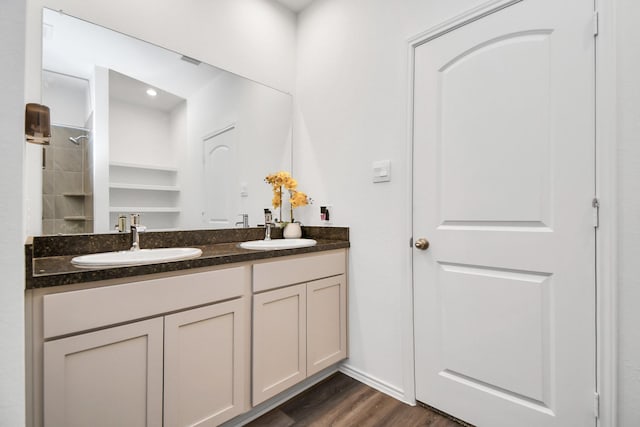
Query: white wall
point(352, 110)
point(100, 91)
point(67, 97)
point(140, 135)
point(262, 135)
point(11, 214)
point(628, 88)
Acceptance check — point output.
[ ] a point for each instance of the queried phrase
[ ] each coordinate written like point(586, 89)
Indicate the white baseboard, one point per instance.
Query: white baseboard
point(376, 383)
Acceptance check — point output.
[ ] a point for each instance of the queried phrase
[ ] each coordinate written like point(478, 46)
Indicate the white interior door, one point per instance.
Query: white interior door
point(503, 187)
point(220, 169)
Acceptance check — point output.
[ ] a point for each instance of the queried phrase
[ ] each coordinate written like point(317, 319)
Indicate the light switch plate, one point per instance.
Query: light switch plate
point(382, 171)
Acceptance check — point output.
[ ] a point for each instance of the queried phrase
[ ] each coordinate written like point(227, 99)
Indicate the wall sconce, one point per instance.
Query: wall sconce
point(37, 124)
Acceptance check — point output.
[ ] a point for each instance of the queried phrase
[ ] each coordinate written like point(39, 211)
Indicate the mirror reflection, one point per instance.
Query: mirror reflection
point(140, 129)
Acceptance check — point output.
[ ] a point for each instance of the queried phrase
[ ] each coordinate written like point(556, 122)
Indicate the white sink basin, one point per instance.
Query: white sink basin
point(267, 245)
point(143, 256)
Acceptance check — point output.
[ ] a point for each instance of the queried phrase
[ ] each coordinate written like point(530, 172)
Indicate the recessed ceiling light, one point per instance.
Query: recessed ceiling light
point(151, 92)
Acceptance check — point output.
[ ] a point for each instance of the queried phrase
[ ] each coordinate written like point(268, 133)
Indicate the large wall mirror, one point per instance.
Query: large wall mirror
point(140, 129)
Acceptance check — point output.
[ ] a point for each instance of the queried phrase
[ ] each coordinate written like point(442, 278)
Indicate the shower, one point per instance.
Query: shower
point(77, 139)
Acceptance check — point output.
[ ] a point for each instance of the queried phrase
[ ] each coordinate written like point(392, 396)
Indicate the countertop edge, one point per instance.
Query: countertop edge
point(208, 259)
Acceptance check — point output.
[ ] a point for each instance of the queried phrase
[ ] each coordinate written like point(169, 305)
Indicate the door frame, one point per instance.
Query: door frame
point(605, 188)
point(606, 191)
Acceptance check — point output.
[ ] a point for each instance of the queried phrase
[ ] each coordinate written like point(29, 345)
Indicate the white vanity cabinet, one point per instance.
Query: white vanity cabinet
point(186, 348)
point(182, 366)
point(299, 320)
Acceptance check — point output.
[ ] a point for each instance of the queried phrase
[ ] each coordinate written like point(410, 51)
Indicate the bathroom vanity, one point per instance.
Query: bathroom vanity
point(194, 342)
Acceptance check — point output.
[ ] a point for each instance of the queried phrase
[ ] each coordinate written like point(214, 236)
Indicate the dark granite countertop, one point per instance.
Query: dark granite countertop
point(48, 258)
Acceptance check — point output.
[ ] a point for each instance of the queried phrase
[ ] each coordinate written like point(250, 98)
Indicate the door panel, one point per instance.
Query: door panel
point(507, 311)
point(279, 341)
point(111, 377)
point(478, 184)
point(204, 373)
point(503, 183)
point(326, 323)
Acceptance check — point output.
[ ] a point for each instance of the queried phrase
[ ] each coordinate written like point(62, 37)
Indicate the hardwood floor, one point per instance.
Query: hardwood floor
point(342, 401)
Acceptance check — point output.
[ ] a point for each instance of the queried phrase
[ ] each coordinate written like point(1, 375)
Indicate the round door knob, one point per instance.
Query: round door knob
point(422, 244)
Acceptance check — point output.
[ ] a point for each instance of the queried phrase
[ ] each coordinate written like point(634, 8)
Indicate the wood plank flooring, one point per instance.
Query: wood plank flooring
point(342, 401)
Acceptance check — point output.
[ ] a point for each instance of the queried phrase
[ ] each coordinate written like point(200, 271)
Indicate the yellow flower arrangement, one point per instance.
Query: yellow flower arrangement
point(281, 181)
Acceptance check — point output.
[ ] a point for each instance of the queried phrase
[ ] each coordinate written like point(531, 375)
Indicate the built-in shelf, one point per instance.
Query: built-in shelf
point(139, 166)
point(76, 218)
point(147, 189)
point(144, 187)
point(144, 209)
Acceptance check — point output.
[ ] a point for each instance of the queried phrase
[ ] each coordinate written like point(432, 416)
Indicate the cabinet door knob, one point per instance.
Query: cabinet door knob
point(422, 244)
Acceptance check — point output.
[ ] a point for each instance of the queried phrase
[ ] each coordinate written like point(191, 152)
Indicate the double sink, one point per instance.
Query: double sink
point(153, 256)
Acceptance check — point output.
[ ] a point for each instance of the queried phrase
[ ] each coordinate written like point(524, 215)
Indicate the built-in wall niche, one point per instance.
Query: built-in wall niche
point(149, 190)
point(147, 127)
point(143, 128)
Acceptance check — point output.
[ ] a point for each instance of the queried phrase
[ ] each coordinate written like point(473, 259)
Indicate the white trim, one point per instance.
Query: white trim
point(215, 133)
point(407, 319)
point(376, 383)
point(458, 21)
point(606, 191)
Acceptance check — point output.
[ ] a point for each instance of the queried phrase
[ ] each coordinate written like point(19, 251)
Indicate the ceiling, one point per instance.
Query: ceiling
point(132, 91)
point(295, 5)
point(93, 45)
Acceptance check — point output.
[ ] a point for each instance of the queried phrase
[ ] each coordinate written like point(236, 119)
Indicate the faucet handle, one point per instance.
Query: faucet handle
point(245, 220)
point(135, 219)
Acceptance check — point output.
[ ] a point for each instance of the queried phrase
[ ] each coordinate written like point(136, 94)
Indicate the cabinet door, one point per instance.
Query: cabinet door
point(111, 377)
point(205, 370)
point(279, 341)
point(326, 323)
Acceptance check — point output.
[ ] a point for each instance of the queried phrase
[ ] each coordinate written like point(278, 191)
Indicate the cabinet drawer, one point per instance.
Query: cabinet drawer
point(76, 311)
point(299, 269)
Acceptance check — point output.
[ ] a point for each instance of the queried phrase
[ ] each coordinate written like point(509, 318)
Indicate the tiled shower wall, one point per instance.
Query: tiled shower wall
point(67, 199)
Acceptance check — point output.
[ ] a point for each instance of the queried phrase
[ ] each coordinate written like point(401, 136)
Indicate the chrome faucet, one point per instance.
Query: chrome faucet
point(245, 221)
point(267, 224)
point(136, 229)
